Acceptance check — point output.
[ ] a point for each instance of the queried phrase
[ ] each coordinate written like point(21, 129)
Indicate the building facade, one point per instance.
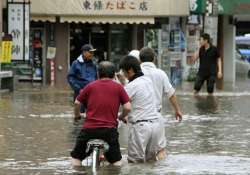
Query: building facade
point(114, 27)
point(58, 29)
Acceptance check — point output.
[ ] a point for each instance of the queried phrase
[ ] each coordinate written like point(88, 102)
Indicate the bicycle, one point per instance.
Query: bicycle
point(96, 147)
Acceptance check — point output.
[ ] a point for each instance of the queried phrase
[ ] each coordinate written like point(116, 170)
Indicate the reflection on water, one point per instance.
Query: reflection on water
point(206, 104)
point(37, 134)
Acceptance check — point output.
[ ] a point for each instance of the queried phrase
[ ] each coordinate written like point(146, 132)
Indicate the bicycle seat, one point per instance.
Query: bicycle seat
point(97, 143)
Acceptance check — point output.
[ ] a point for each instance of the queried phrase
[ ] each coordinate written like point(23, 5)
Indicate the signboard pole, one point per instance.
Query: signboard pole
point(1, 17)
point(52, 72)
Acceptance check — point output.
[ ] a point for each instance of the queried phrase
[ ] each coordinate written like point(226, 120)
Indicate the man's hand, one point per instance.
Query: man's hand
point(77, 107)
point(124, 115)
point(219, 75)
point(194, 57)
point(123, 119)
point(121, 78)
point(178, 116)
point(76, 118)
point(178, 113)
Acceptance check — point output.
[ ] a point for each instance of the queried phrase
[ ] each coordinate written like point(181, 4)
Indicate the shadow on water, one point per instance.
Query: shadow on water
point(206, 104)
point(37, 135)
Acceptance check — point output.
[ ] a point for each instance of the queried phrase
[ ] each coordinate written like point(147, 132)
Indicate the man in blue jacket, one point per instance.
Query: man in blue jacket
point(82, 70)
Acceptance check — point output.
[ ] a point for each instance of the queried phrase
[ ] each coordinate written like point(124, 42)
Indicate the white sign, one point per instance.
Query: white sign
point(51, 52)
point(18, 27)
point(27, 31)
point(193, 5)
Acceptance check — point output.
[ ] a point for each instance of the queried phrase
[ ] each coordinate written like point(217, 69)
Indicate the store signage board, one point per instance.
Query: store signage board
point(18, 27)
point(114, 5)
point(197, 6)
point(6, 49)
point(231, 7)
point(51, 52)
point(110, 7)
point(15, 28)
point(228, 7)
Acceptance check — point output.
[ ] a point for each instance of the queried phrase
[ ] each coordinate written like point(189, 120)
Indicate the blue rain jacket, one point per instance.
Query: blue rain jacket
point(81, 73)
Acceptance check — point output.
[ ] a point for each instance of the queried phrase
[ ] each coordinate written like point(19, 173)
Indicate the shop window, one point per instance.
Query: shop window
point(119, 44)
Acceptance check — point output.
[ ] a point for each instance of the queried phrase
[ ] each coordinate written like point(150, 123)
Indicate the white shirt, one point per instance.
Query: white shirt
point(142, 98)
point(160, 81)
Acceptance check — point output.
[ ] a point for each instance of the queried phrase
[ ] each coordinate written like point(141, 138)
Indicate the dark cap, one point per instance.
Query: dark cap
point(88, 47)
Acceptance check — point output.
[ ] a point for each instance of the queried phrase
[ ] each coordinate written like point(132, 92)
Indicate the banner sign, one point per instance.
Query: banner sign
point(110, 7)
point(6, 49)
point(18, 27)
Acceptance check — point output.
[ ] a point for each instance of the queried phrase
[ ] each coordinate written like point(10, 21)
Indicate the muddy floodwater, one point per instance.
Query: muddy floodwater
point(37, 134)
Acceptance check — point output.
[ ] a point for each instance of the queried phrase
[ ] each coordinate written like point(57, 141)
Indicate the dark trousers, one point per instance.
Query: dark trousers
point(109, 135)
point(200, 79)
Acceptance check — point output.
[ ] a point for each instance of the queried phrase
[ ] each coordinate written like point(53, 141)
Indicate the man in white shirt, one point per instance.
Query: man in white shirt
point(146, 130)
point(160, 81)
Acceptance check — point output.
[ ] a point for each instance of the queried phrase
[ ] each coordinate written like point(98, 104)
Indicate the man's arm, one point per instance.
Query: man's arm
point(170, 92)
point(219, 64)
point(126, 109)
point(178, 113)
point(77, 110)
point(71, 77)
point(195, 57)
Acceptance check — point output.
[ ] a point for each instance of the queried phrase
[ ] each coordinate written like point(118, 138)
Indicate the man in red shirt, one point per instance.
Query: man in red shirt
point(102, 99)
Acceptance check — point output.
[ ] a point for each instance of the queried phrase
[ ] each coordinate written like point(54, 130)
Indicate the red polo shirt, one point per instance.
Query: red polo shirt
point(102, 99)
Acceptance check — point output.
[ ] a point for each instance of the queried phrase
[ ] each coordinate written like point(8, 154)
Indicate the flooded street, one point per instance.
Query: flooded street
point(37, 134)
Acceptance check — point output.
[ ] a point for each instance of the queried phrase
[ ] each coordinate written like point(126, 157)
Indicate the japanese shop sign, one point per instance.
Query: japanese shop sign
point(6, 49)
point(18, 27)
point(115, 5)
point(110, 7)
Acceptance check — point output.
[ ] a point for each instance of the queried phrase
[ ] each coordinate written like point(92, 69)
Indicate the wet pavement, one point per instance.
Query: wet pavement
point(37, 134)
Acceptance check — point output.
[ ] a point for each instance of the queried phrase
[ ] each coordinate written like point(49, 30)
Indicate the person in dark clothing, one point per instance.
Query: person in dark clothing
point(210, 65)
point(82, 71)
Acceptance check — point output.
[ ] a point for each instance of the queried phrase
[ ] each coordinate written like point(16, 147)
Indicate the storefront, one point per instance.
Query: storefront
point(113, 27)
point(168, 40)
point(112, 41)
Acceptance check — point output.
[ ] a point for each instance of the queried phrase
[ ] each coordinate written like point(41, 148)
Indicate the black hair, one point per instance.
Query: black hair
point(147, 54)
point(130, 62)
point(206, 36)
point(106, 69)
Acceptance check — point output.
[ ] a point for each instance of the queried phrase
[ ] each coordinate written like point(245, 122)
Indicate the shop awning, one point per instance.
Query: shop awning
point(152, 8)
point(43, 18)
point(108, 19)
